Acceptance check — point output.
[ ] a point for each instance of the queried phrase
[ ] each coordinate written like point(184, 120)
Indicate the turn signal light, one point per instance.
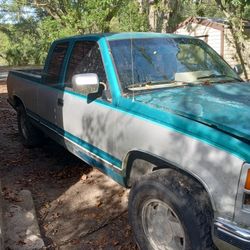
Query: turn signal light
point(247, 184)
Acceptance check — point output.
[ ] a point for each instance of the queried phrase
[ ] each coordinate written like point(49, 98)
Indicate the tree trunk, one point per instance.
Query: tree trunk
point(232, 12)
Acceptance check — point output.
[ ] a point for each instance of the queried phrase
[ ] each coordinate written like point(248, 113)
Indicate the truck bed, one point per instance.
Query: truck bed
point(33, 74)
point(36, 72)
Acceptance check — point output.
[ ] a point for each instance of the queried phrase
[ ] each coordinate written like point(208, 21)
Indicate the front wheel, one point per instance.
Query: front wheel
point(30, 135)
point(169, 211)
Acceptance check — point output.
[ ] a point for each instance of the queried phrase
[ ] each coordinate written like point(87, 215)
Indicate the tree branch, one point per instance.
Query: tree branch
point(5, 30)
point(48, 7)
point(110, 15)
point(2, 56)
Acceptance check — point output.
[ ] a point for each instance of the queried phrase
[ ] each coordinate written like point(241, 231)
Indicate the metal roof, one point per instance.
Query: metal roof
point(216, 23)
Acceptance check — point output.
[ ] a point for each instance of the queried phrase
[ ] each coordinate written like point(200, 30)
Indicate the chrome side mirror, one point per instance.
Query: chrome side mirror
point(238, 69)
point(85, 83)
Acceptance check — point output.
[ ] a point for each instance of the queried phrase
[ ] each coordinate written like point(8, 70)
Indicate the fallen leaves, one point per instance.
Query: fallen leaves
point(10, 195)
point(115, 243)
point(84, 177)
point(21, 243)
point(50, 172)
point(75, 241)
point(99, 203)
point(56, 215)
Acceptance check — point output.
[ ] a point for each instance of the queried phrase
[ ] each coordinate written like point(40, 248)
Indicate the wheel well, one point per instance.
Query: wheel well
point(138, 164)
point(17, 101)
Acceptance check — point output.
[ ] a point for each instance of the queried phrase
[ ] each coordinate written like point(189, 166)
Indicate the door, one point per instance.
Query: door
point(48, 91)
point(88, 120)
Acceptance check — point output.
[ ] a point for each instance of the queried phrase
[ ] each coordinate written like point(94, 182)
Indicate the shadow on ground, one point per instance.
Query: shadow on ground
point(77, 206)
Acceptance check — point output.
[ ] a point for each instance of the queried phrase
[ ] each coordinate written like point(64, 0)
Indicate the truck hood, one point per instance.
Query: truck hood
point(225, 106)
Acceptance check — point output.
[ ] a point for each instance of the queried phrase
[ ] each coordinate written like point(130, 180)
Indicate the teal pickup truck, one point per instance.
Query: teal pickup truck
point(161, 114)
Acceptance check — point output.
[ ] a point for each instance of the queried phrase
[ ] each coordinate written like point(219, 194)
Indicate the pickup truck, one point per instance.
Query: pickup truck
point(161, 114)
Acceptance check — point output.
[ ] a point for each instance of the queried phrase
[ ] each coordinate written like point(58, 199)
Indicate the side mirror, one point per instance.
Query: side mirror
point(238, 69)
point(85, 83)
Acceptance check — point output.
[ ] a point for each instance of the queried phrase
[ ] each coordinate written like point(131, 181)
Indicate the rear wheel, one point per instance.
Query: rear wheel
point(169, 211)
point(30, 135)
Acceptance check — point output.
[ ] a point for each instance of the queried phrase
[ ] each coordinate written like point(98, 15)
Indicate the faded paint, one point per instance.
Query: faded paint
point(225, 106)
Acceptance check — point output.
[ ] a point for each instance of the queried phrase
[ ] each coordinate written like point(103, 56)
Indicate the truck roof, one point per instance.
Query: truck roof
point(122, 35)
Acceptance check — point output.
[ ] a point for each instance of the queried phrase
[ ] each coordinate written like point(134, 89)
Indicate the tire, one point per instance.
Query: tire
point(168, 210)
point(30, 135)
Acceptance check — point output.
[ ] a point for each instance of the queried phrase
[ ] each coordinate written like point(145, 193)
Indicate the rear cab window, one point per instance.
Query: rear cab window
point(55, 64)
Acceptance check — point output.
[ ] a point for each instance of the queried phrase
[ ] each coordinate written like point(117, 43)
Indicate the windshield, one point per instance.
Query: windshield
point(158, 62)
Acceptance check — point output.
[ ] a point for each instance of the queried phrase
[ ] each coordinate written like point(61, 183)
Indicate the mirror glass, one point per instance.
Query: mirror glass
point(85, 83)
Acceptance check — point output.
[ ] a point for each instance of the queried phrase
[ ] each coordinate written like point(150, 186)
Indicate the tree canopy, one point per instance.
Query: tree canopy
point(29, 26)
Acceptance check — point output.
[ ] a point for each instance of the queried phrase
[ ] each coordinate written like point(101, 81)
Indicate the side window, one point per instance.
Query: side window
point(85, 58)
point(55, 64)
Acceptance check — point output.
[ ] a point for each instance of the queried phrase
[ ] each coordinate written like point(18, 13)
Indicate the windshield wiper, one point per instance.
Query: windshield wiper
point(210, 76)
point(137, 85)
point(217, 76)
point(149, 83)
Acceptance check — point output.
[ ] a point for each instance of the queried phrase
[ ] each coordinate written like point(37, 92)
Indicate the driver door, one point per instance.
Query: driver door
point(88, 120)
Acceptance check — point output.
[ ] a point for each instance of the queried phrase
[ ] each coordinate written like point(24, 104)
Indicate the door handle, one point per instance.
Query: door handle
point(60, 102)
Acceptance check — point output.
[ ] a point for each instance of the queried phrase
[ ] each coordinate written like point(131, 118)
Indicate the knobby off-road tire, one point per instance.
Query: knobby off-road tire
point(168, 210)
point(30, 135)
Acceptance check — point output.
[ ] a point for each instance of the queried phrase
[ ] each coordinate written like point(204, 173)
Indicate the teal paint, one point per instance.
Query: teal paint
point(108, 171)
point(119, 36)
point(226, 106)
point(102, 154)
point(65, 63)
point(187, 126)
point(109, 68)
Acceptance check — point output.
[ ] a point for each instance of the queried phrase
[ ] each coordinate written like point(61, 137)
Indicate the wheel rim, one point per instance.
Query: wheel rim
point(23, 126)
point(162, 226)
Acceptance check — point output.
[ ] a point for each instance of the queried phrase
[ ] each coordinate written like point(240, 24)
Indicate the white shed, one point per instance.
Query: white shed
point(217, 33)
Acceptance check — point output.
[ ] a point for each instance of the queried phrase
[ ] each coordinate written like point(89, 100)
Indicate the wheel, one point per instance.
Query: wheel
point(170, 211)
point(30, 135)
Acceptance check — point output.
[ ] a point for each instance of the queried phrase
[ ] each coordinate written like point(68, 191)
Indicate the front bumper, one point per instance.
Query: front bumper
point(231, 234)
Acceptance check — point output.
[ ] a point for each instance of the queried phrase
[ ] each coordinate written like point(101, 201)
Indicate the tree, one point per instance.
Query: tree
point(32, 25)
point(163, 15)
point(4, 41)
point(234, 11)
point(83, 16)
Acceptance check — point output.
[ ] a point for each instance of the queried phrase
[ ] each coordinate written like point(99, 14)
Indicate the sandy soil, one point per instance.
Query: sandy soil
point(77, 206)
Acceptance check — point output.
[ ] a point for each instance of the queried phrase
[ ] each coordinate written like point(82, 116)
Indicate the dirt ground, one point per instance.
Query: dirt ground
point(77, 206)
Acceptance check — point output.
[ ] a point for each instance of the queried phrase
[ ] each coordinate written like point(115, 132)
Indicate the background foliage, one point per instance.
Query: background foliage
point(27, 27)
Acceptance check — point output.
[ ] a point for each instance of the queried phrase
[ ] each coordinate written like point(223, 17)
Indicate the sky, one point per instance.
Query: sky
point(11, 16)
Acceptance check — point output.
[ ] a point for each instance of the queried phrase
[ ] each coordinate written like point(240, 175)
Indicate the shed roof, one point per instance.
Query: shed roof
point(216, 23)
